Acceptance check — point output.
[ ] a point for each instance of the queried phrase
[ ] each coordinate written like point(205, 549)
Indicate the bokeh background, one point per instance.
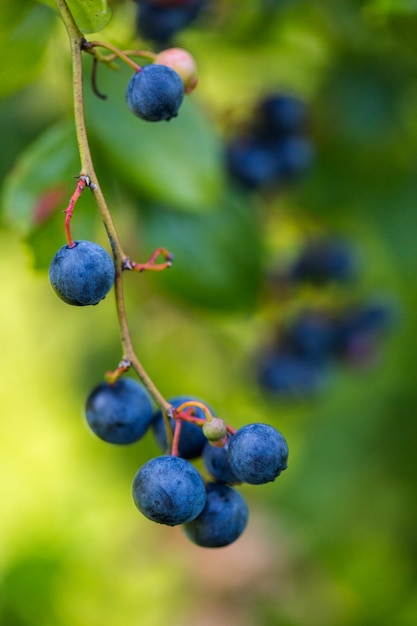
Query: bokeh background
point(333, 540)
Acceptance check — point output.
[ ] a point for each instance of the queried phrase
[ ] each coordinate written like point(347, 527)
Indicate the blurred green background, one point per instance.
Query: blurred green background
point(333, 541)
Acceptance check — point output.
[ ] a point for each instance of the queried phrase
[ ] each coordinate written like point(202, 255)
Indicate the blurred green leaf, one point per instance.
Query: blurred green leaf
point(217, 255)
point(41, 178)
point(90, 15)
point(177, 163)
point(25, 35)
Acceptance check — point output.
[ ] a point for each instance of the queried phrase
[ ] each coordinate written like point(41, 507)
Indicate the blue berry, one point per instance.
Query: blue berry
point(159, 22)
point(279, 115)
point(258, 453)
point(81, 275)
point(119, 413)
point(217, 463)
point(155, 93)
point(360, 329)
point(223, 519)
point(325, 260)
point(192, 439)
point(295, 155)
point(311, 335)
point(252, 162)
point(169, 490)
point(290, 375)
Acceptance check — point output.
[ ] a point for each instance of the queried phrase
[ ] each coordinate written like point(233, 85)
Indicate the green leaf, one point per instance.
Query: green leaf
point(177, 163)
point(25, 34)
point(39, 188)
point(91, 16)
point(44, 171)
point(217, 260)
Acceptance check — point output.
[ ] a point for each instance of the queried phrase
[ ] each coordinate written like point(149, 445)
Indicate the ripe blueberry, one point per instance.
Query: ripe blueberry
point(222, 520)
point(119, 413)
point(169, 490)
point(217, 463)
point(290, 375)
point(160, 21)
point(81, 275)
point(155, 93)
point(258, 453)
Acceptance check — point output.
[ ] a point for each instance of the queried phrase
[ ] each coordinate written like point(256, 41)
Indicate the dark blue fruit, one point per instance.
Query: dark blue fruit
point(258, 453)
point(217, 463)
point(253, 163)
point(290, 375)
point(311, 335)
point(222, 520)
point(155, 93)
point(119, 413)
point(169, 490)
point(192, 439)
point(159, 22)
point(83, 274)
point(280, 115)
point(360, 329)
point(325, 260)
point(295, 155)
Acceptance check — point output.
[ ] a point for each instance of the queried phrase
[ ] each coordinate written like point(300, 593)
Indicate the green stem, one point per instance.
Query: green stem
point(77, 41)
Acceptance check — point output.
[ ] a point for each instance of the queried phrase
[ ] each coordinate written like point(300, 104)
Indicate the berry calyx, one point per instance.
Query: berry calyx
point(155, 93)
point(83, 274)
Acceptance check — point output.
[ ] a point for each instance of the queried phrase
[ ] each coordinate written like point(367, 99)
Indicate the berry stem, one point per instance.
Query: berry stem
point(195, 403)
point(82, 183)
point(89, 45)
point(77, 43)
point(151, 265)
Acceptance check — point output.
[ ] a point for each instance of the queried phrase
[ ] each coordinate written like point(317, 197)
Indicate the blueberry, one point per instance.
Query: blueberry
point(252, 163)
point(82, 275)
point(290, 375)
point(160, 22)
point(311, 335)
point(155, 93)
point(217, 463)
point(325, 260)
point(223, 519)
point(295, 155)
point(119, 413)
point(192, 439)
point(360, 329)
point(257, 453)
point(279, 115)
point(169, 490)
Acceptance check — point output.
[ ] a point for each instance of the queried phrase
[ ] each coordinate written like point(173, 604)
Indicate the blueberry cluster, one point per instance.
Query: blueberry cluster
point(275, 148)
point(296, 363)
point(81, 274)
point(168, 489)
point(160, 20)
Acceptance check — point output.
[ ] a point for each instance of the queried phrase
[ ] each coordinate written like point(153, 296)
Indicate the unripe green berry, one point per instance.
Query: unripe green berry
point(215, 429)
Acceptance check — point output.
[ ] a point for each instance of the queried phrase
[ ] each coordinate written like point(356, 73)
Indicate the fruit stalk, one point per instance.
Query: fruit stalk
point(77, 41)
